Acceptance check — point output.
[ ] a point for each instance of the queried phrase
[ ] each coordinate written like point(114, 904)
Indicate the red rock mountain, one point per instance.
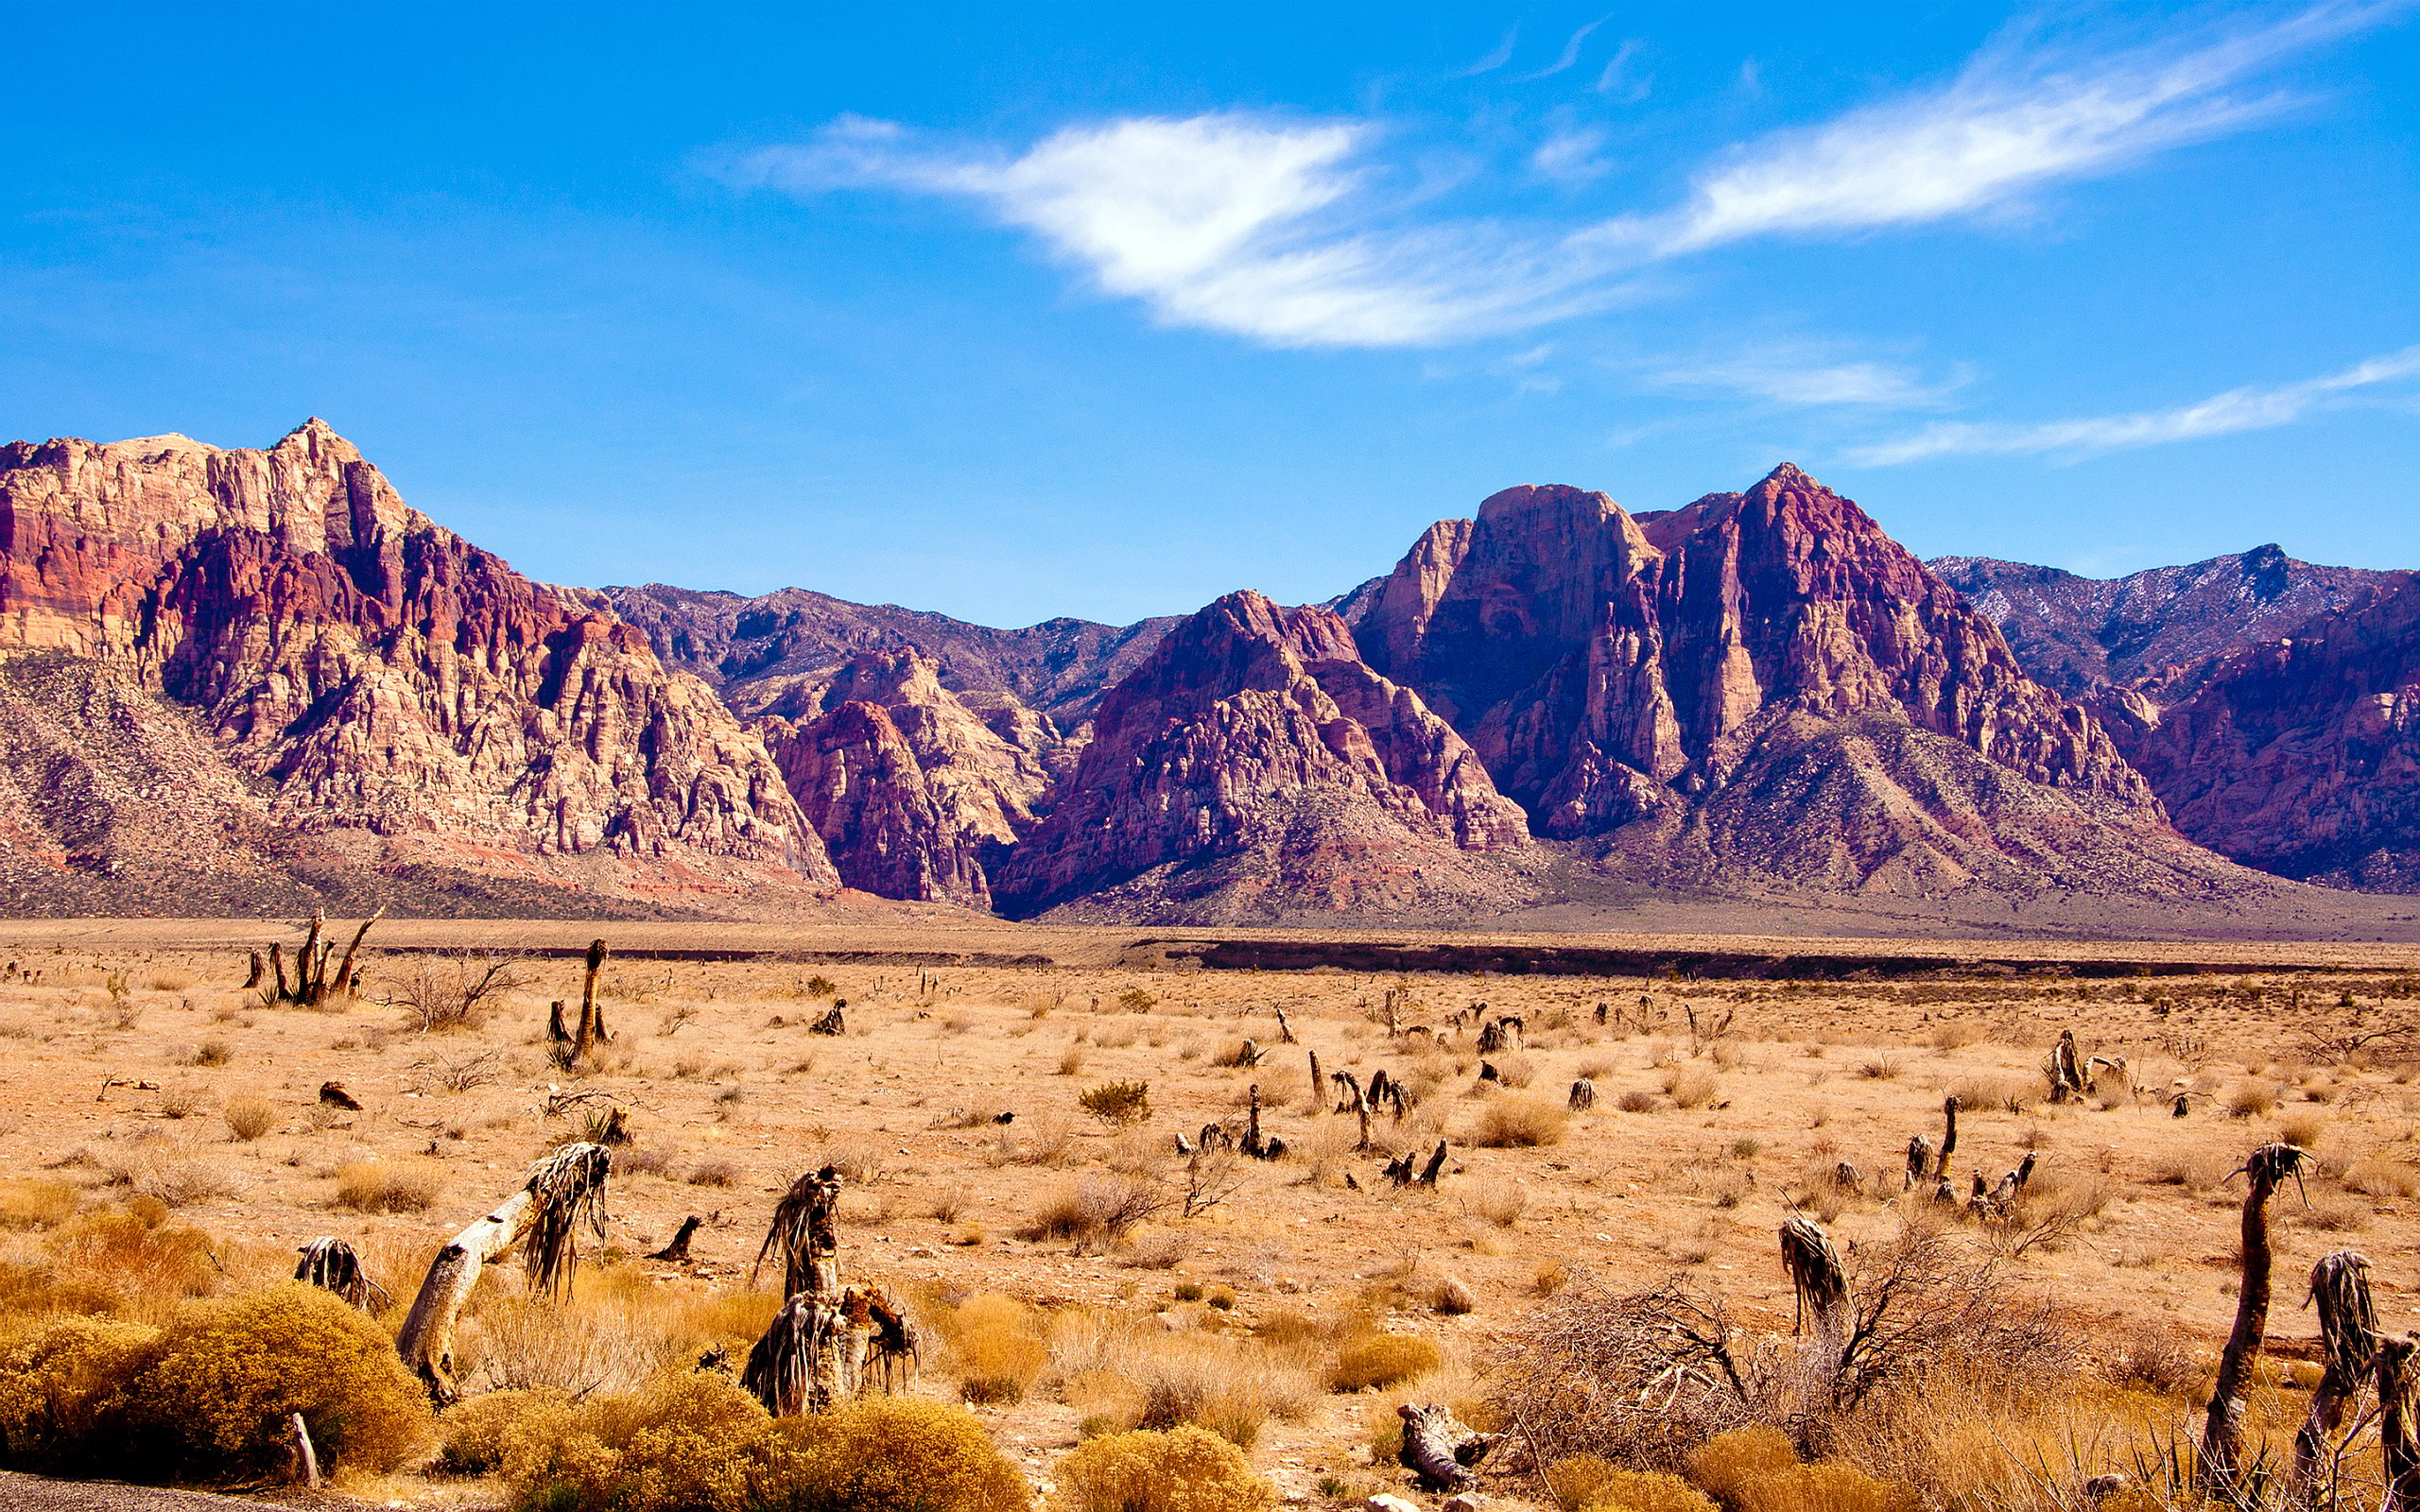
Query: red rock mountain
point(750, 649)
point(1254, 766)
point(380, 696)
point(2082, 634)
point(914, 793)
point(1760, 687)
point(2299, 754)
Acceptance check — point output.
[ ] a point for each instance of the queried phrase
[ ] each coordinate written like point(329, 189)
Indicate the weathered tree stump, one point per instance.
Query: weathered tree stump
point(1584, 1095)
point(2349, 1335)
point(1439, 1449)
point(2222, 1430)
point(678, 1251)
point(331, 1265)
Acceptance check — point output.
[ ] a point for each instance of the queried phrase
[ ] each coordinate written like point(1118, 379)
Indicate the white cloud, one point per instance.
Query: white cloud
point(2008, 124)
point(1570, 53)
point(1216, 221)
point(1286, 232)
point(1570, 156)
point(1489, 64)
point(1803, 376)
point(1611, 78)
point(2237, 409)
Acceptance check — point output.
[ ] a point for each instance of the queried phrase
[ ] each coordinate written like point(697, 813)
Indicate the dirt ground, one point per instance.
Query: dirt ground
point(129, 1053)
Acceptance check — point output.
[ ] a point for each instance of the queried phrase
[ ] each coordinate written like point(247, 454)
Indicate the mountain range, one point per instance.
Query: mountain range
point(248, 680)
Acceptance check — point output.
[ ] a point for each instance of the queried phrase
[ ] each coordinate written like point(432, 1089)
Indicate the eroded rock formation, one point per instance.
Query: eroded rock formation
point(1255, 764)
point(380, 676)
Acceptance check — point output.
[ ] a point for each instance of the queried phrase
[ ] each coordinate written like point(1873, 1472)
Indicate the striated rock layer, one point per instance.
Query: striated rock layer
point(2082, 634)
point(1256, 766)
point(2301, 754)
point(1760, 687)
point(914, 793)
point(373, 674)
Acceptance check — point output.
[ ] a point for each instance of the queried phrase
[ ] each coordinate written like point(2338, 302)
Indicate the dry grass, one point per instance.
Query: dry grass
point(248, 1117)
point(1520, 1121)
point(384, 1186)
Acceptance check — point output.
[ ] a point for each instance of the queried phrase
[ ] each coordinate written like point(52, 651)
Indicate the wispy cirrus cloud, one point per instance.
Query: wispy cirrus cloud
point(1812, 376)
point(2249, 408)
point(1297, 233)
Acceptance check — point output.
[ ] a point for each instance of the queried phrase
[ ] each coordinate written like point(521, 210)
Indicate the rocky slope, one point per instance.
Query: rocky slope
point(2080, 634)
point(914, 793)
point(2300, 754)
point(1254, 766)
point(364, 675)
point(1758, 687)
point(753, 650)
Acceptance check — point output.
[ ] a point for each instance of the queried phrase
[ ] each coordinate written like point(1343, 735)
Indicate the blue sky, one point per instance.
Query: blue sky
point(1014, 311)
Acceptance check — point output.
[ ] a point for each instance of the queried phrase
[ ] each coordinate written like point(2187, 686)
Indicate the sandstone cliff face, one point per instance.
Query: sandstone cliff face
point(1609, 668)
point(888, 832)
point(1256, 766)
point(381, 675)
point(2300, 755)
point(914, 793)
point(2078, 635)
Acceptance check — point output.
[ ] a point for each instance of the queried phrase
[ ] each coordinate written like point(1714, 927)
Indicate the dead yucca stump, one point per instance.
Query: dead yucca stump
point(563, 1194)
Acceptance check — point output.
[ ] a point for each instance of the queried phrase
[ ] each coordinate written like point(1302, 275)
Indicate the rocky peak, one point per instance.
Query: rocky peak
point(1256, 734)
point(382, 674)
point(1607, 667)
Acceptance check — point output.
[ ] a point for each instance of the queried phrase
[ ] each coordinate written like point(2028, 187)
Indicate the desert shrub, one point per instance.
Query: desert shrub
point(1573, 1480)
point(996, 1348)
point(1830, 1486)
point(2252, 1099)
point(215, 1392)
point(124, 1254)
point(211, 1052)
point(2371, 1177)
point(890, 1454)
point(1520, 1121)
point(1134, 1000)
point(1098, 1207)
point(377, 1186)
point(1647, 1491)
point(248, 1117)
point(683, 1443)
point(1726, 1466)
point(35, 1202)
point(1118, 1103)
point(1382, 1360)
point(472, 1435)
point(1688, 1086)
point(1183, 1470)
point(714, 1172)
point(63, 1391)
point(1636, 1100)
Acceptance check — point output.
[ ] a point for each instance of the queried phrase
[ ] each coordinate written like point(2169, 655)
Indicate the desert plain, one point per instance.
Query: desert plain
point(1058, 1281)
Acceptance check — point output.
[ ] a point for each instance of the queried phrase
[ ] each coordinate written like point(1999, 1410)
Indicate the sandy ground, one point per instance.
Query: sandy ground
point(122, 1044)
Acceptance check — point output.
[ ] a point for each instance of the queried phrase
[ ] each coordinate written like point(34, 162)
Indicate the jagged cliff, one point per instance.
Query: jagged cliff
point(366, 672)
point(2082, 634)
point(1762, 687)
point(2299, 754)
point(1254, 767)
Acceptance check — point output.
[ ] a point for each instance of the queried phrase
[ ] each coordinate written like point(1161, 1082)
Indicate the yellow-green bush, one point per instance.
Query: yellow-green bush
point(472, 1435)
point(1646, 1491)
point(1828, 1486)
point(892, 1455)
point(996, 1348)
point(1382, 1360)
point(214, 1393)
point(1726, 1465)
point(694, 1442)
point(63, 1390)
point(208, 1397)
point(1185, 1470)
point(683, 1443)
